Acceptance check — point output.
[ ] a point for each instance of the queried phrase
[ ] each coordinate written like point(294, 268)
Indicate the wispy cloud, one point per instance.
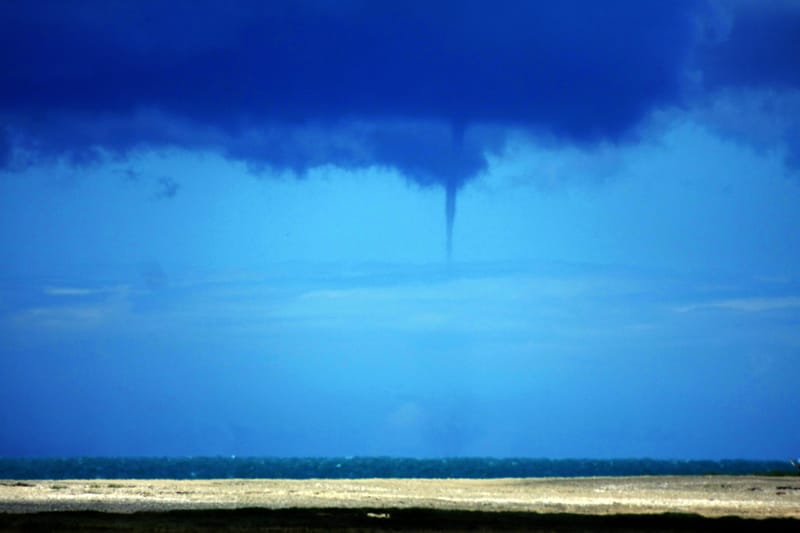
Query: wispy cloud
point(84, 291)
point(167, 188)
point(749, 305)
point(75, 308)
point(69, 317)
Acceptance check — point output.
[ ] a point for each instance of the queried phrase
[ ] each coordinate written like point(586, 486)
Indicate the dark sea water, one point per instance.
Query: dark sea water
point(364, 467)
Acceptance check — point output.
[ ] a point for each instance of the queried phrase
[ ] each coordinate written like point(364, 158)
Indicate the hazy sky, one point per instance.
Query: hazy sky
point(223, 228)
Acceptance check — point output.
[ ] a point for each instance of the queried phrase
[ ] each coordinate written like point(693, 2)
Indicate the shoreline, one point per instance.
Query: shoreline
point(709, 496)
point(653, 502)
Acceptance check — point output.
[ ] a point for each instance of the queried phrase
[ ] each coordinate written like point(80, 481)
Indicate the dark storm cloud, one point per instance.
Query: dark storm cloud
point(426, 87)
point(296, 84)
point(757, 45)
point(5, 148)
point(749, 66)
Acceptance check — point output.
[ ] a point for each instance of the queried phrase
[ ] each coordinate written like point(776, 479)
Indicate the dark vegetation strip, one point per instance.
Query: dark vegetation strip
point(372, 519)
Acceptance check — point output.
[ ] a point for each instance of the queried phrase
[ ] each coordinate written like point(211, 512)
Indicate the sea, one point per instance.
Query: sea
point(368, 467)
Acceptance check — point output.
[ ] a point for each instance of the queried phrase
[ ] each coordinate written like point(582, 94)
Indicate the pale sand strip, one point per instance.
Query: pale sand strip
point(710, 496)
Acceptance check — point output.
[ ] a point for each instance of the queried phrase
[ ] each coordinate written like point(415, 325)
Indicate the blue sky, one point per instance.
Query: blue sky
point(224, 229)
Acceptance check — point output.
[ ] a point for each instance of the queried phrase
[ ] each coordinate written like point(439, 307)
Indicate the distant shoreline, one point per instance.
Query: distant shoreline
point(357, 467)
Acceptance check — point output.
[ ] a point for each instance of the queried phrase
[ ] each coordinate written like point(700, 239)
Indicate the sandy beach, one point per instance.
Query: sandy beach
point(378, 500)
